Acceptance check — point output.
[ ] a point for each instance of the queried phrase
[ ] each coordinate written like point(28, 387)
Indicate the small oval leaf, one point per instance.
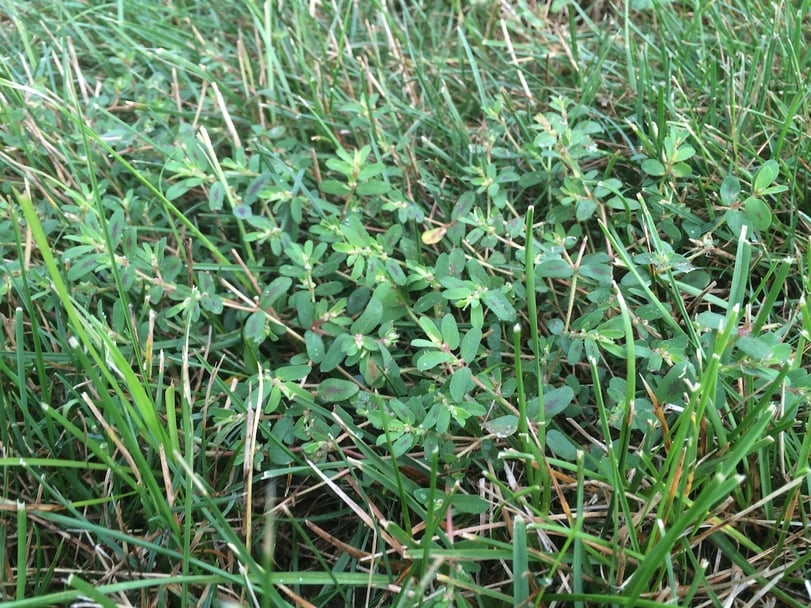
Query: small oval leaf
point(766, 175)
point(334, 390)
point(460, 384)
point(653, 167)
point(450, 332)
point(431, 359)
point(553, 269)
point(396, 272)
point(758, 213)
point(497, 301)
point(256, 329)
point(503, 426)
point(370, 318)
point(730, 189)
point(431, 330)
point(277, 288)
point(315, 346)
point(469, 503)
point(292, 373)
point(561, 445)
point(216, 196)
point(557, 400)
point(434, 235)
point(470, 345)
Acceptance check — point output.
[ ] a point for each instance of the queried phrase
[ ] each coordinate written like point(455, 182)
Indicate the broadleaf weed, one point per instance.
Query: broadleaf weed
point(456, 304)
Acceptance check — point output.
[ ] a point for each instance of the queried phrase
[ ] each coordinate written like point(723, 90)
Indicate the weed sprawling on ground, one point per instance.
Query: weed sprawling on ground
point(405, 303)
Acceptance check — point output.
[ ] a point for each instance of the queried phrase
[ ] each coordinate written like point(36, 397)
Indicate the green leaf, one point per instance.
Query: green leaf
point(773, 190)
point(360, 156)
point(463, 205)
point(330, 288)
point(653, 167)
point(402, 411)
point(644, 416)
point(730, 189)
point(277, 288)
point(171, 267)
point(116, 224)
point(211, 303)
point(474, 235)
point(450, 332)
point(575, 352)
point(736, 220)
point(390, 238)
point(556, 400)
point(243, 212)
point(503, 426)
point(84, 266)
point(216, 196)
point(553, 269)
point(396, 272)
point(262, 185)
point(592, 350)
point(585, 209)
point(430, 330)
point(460, 384)
point(402, 444)
point(424, 494)
point(457, 293)
point(561, 445)
point(334, 187)
point(336, 353)
point(256, 329)
point(315, 346)
point(683, 153)
point(370, 370)
point(292, 373)
point(598, 271)
point(180, 188)
point(476, 314)
point(438, 417)
point(497, 301)
point(432, 358)
point(470, 345)
point(681, 170)
point(672, 387)
point(427, 301)
point(334, 390)
point(469, 503)
point(304, 307)
point(758, 212)
point(766, 175)
point(370, 318)
point(754, 348)
point(371, 171)
point(420, 343)
point(344, 167)
point(373, 188)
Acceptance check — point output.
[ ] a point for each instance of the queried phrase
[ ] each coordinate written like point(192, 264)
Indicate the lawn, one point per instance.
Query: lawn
point(410, 303)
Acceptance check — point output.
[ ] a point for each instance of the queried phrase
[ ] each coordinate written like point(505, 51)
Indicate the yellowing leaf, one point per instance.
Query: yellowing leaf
point(434, 235)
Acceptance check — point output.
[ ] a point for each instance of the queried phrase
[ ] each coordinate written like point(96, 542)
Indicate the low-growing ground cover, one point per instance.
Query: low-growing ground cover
point(404, 303)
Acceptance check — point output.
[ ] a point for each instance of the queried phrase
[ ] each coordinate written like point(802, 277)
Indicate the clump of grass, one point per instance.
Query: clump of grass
point(423, 305)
